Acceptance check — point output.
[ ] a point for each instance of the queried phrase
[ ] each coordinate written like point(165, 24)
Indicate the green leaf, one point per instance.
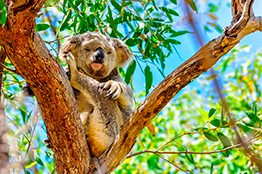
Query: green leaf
point(174, 1)
point(226, 153)
point(39, 161)
point(225, 141)
point(149, 79)
point(211, 168)
point(216, 26)
point(132, 42)
point(178, 33)
point(130, 71)
point(210, 136)
point(169, 11)
point(217, 123)
point(116, 5)
point(190, 158)
point(192, 4)
point(173, 41)
point(211, 112)
point(31, 164)
point(3, 13)
point(42, 27)
point(253, 117)
point(23, 113)
point(64, 22)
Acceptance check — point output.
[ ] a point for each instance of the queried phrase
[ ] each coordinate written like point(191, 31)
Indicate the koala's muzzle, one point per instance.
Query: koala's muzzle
point(99, 55)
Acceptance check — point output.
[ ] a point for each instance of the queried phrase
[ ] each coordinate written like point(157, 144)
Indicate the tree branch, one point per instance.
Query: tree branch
point(199, 63)
point(50, 85)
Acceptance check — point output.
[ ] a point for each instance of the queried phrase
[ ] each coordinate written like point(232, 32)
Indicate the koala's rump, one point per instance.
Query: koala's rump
point(101, 120)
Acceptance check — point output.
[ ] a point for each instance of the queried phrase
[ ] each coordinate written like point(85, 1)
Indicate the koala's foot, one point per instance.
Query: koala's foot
point(97, 166)
point(47, 141)
point(111, 89)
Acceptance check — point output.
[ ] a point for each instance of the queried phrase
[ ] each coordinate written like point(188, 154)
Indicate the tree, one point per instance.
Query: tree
point(35, 63)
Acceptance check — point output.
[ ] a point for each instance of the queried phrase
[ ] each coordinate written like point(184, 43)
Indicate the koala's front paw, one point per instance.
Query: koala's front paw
point(71, 61)
point(111, 89)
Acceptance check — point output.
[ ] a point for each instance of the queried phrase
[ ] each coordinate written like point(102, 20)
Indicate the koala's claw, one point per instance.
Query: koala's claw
point(71, 61)
point(111, 89)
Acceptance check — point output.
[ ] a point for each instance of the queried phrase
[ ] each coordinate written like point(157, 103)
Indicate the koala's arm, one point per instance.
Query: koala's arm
point(125, 98)
point(87, 85)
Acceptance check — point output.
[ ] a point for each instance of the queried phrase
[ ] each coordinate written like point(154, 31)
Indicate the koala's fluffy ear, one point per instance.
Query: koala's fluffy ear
point(122, 51)
point(68, 46)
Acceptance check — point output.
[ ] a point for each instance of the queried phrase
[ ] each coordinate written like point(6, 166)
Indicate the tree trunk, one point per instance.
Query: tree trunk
point(47, 79)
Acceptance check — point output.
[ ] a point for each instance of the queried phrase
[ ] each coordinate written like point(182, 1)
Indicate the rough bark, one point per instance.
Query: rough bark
point(47, 79)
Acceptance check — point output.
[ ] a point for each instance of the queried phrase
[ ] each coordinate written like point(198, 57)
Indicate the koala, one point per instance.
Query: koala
point(103, 98)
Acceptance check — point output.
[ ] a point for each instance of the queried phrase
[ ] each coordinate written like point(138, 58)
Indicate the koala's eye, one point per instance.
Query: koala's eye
point(109, 52)
point(87, 49)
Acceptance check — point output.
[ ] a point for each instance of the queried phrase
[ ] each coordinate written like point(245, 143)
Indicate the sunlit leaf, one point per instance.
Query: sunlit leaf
point(192, 4)
point(210, 136)
point(216, 26)
point(64, 22)
point(225, 141)
point(31, 164)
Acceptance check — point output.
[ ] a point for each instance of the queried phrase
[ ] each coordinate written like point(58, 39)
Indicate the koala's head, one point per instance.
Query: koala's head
point(95, 54)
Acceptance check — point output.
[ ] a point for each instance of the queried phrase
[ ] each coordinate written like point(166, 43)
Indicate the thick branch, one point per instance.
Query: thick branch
point(50, 84)
point(204, 59)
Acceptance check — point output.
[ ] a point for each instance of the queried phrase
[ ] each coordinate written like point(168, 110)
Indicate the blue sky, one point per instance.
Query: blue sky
point(188, 47)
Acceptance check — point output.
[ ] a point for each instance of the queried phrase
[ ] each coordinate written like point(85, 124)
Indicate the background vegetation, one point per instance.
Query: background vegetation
point(193, 133)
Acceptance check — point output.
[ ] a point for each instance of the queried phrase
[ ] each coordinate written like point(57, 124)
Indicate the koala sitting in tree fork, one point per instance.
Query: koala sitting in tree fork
point(104, 100)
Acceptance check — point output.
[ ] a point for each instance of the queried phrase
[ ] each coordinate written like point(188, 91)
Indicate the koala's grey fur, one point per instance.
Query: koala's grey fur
point(104, 100)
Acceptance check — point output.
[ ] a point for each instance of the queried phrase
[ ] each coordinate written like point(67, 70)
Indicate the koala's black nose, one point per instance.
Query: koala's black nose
point(99, 55)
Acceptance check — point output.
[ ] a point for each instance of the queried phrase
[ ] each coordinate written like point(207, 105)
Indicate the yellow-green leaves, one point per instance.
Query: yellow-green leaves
point(192, 4)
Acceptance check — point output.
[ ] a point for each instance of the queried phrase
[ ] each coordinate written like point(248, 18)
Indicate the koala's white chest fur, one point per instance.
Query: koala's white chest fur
point(103, 98)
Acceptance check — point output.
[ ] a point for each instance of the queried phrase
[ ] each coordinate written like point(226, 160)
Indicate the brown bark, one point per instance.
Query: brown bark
point(47, 79)
point(53, 91)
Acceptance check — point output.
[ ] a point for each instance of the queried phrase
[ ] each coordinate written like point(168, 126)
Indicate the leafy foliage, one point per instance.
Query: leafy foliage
point(194, 127)
point(202, 140)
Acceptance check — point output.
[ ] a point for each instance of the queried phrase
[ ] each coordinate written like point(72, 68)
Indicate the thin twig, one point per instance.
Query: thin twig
point(14, 71)
point(171, 163)
point(18, 129)
point(183, 152)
